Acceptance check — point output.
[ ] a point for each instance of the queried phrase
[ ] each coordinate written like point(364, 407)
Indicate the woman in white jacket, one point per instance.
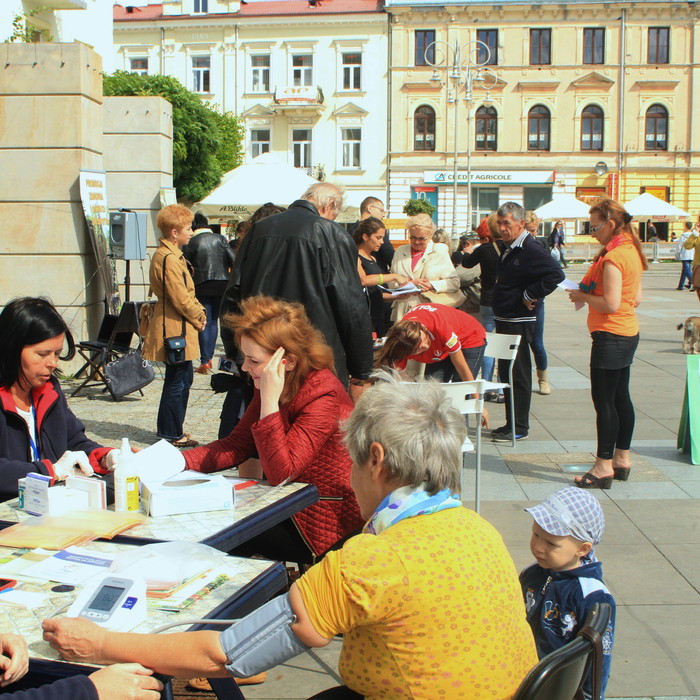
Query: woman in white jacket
point(428, 264)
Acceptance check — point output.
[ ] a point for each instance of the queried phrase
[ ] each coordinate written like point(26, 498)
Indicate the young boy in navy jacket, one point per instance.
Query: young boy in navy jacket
point(567, 579)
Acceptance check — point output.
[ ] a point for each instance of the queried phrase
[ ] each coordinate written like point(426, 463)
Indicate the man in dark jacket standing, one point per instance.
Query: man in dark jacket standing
point(303, 255)
point(526, 274)
point(212, 258)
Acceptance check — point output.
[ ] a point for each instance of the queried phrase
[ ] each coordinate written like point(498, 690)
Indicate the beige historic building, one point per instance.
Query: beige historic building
point(585, 98)
point(308, 79)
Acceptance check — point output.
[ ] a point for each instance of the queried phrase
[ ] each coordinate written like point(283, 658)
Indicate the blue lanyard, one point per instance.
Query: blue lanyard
point(36, 455)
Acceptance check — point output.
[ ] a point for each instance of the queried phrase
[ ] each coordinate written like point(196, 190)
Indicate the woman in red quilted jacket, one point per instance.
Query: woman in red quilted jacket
point(292, 426)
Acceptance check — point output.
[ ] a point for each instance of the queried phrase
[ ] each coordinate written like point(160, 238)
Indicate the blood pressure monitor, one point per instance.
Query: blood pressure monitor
point(116, 603)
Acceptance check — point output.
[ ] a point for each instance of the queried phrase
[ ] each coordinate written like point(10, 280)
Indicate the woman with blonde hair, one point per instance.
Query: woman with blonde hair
point(292, 426)
point(612, 288)
point(176, 314)
point(428, 264)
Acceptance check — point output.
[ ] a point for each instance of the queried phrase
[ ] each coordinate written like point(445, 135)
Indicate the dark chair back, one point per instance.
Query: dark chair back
point(560, 675)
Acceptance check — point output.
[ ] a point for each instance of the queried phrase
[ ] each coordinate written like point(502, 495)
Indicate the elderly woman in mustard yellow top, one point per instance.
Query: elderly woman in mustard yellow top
point(427, 598)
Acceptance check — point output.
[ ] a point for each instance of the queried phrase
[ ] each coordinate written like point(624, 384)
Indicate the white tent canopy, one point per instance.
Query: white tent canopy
point(266, 178)
point(247, 187)
point(564, 207)
point(647, 207)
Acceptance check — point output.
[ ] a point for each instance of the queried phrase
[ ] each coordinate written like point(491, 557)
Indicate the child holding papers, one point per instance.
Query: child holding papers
point(292, 426)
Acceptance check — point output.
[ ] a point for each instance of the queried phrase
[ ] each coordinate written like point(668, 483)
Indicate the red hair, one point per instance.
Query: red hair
point(273, 323)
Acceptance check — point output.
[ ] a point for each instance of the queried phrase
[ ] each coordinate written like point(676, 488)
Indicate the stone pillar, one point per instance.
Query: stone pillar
point(50, 129)
point(139, 162)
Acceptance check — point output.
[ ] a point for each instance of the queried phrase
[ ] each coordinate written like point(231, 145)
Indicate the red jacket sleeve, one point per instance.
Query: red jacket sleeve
point(229, 451)
point(286, 452)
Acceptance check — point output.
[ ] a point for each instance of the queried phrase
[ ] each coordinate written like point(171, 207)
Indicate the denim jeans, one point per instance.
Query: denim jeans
point(537, 344)
point(207, 337)
point(445, 371)
point(488, 322)
point(173, 400)
point(686, 274)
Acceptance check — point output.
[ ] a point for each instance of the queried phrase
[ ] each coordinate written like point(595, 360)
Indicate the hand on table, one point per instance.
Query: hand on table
point(63, 467)
point(126, 682)
point(75, 638)
point(14, 658)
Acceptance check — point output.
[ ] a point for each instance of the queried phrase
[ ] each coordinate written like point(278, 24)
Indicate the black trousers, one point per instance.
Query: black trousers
point(340, 692)
point(610, 390)
point(522, 374)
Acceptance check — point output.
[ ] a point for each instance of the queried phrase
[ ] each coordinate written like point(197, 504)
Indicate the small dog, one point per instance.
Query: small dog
point(691, 335)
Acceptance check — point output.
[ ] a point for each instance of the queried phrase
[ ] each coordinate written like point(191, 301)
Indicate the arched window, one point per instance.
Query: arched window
point(486, 129)
point(538, 122)
point(424, 129)
point(656, 129)
point(592, 128)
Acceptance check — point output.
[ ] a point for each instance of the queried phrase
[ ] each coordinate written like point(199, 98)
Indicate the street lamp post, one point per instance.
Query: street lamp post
point(464, 73)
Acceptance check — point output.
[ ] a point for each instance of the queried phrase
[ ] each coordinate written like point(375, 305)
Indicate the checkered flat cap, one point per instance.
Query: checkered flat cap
point(571, 511)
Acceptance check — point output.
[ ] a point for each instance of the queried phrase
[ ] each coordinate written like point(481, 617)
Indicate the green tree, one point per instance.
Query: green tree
point(206, 142)
point(418, 206)
point(24, 32)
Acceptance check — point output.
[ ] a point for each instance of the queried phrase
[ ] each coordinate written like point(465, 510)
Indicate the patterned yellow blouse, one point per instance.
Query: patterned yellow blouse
point(430, 608)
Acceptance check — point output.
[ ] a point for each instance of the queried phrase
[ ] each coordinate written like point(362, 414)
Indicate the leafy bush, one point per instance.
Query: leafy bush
point(418, 206)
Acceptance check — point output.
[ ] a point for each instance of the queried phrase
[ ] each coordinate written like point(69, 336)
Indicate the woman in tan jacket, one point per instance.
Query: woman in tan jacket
point(177, 313)
point(429, 265)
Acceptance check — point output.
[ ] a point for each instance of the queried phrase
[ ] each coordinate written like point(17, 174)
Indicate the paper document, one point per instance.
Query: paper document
point(73, 565)
point(158, 462)
point(22, 599)
point(569, 285)
point(408, 288)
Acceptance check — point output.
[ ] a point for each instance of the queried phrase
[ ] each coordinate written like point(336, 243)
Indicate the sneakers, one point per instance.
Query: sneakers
point(505, 434)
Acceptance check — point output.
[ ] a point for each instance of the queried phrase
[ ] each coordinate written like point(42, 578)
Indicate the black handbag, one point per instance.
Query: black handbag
point(128, 373)
point(176, 344)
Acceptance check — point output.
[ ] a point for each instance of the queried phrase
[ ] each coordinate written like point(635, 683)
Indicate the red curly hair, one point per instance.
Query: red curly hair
point(273, 323)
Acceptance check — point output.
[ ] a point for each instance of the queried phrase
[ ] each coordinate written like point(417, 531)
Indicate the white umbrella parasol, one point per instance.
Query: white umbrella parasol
point(245, 188)
point(564, 207)
point(647, 207)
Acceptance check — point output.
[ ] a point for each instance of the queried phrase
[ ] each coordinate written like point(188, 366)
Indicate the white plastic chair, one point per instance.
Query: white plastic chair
point(503, 347)
point(460, 394)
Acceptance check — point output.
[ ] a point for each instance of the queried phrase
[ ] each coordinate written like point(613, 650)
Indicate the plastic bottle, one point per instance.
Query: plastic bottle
point(126, 481)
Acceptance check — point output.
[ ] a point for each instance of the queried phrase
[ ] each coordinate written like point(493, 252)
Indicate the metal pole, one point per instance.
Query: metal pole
point(454, 166)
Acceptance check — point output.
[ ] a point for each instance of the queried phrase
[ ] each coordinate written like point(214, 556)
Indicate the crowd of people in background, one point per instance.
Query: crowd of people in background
point(320, 321)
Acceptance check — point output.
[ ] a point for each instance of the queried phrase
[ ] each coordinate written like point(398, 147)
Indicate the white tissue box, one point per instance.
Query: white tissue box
point(188, 492)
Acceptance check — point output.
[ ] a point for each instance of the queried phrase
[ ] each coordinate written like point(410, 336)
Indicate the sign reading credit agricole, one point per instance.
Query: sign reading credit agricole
point(491, 177)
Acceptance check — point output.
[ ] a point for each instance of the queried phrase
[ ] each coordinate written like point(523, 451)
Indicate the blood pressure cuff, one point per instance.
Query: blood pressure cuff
point(262, 639)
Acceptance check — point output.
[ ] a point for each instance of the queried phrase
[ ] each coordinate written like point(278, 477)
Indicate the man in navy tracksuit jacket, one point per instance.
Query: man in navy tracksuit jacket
point(526, 274)
point(556, 608)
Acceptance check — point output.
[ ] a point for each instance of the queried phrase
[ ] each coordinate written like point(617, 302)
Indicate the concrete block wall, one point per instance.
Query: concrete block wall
point(138, 157)
point(50, 129)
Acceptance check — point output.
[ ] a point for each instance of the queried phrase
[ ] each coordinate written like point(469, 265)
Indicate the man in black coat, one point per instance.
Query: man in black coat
point(303, 255)
point(526, 274)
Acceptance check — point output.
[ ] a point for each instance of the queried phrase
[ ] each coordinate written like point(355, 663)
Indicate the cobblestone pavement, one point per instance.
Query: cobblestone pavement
point(649, 550)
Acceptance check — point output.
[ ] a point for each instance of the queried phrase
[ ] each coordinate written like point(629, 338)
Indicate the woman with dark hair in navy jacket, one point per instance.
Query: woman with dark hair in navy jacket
point(38, 432)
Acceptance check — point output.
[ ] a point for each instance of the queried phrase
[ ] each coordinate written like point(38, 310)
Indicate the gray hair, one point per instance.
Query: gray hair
point(421, 220)
point(421, 432)
point(513, 209)
point(325, 195)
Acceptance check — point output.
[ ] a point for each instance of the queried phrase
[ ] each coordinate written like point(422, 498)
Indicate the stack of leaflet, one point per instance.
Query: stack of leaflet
point(187, 594)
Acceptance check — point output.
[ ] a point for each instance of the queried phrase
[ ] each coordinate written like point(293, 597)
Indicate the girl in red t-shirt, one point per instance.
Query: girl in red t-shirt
point(450, 342)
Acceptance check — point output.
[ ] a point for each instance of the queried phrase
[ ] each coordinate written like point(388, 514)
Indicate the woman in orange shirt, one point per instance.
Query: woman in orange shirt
point(612, 289)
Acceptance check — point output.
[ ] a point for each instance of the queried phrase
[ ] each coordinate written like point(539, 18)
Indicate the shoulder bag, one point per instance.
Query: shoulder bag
point(174, 345)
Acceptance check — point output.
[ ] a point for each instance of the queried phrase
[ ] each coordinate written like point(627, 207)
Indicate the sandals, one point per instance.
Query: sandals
point(621, 473)
point(184, 441)
point(590, 481)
